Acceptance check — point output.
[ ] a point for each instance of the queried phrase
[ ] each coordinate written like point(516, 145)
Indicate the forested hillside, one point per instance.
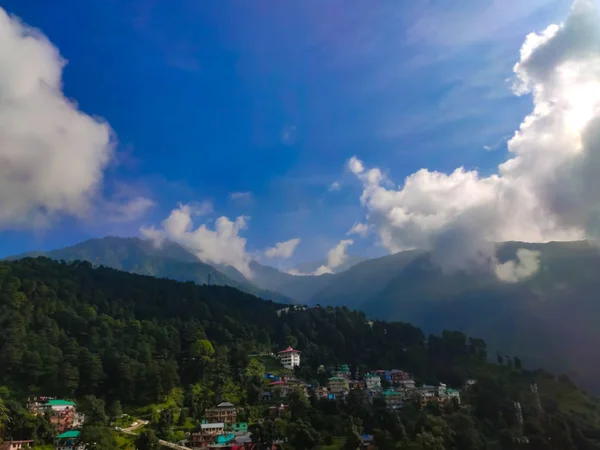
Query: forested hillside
point(73, 331)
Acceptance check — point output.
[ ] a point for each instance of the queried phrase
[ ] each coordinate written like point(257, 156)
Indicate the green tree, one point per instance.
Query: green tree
point(383, 440)
point(147, 440)
point(98, 438)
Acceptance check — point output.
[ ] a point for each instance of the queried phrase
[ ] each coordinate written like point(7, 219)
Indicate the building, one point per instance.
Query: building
point(452, 394)
point(322, 392)
point(356, 384)
point(224, 412)
point(373, 382)
point(281, 388)
point(69, 440)
point(63, 414)
point(407, 385)
point(289, 357)
point(212, 429)
point(278, 410)
point(393, 399)
point(398, 376)
point(343, 371)
point(240, 427)
point(337, 385)
point(15, 445)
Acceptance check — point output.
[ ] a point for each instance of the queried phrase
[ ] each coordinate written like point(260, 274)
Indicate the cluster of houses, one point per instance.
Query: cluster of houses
point(400, 385)
point(63, 415)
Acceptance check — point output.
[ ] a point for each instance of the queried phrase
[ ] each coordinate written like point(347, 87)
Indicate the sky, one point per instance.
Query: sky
point(288, 131)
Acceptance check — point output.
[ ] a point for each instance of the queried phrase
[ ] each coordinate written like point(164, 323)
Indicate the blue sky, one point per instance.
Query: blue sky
point(273, 98)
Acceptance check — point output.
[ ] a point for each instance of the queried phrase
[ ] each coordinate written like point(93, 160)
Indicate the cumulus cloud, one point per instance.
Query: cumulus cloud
point(220, 245)
point(52, 155)
point(282, 250)
point(359, 228)
point(335, 186)
point(549, 187)
point(527, 264)
point(335, 257)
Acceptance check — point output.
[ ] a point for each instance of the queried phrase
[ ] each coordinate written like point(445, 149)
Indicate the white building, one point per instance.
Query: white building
point(373, 382)
point(289, 357)
point(212, 428)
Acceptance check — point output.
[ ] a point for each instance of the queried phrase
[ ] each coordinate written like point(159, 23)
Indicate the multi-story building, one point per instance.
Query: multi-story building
point(63, 414)
point(337, 385)
point(392, 398)
point(399, 375)
point(224, 412)
point(289, 357)
point(70, 440)
point(373, 382)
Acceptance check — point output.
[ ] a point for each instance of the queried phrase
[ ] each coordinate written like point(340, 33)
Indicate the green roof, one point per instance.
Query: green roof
point(371, 375)
point(337, 379)
point(60, 403)
point(69, 434)
point(452, 391)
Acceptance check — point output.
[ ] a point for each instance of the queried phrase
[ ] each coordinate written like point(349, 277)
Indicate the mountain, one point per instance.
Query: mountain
point(312, 266)
point(142, 256)
point(550, 319)
point(167, 351)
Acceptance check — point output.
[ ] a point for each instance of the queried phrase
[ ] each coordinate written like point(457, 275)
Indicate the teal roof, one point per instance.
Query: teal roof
point(371, 375)
point(337, 379)
point(452, 391)
point(60, 403)
point(69, 434)
point(390, 392)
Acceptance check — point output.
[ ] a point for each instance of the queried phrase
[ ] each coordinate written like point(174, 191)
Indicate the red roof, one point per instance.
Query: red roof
point(276, 383)
point(289, 350)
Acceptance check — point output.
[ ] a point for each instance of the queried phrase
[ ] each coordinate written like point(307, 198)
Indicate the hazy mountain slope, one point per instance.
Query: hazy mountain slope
point(362, 281)
point(550, 320)
point(299, 287)
point(310, 267)
point(141, 256)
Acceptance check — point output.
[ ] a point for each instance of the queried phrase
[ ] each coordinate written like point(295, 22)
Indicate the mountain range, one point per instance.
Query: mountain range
point(549, 320)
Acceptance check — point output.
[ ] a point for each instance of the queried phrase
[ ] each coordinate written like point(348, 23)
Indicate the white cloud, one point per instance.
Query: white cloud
point(487, 148)
point(282, 250)
point(52, 155)
point(128, 210)
point(221, 245)
point(359, 228)
point(243, 196)
point(549, 189)
point(356, 166)
point(335, 257)
point(335, 186)
point(527, 264)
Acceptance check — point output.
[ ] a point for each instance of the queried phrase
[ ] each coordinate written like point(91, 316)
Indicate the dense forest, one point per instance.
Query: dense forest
point(110, 338)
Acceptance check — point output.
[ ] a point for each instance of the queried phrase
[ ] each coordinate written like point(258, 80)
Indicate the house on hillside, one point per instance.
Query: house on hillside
point(398, 376)
point(337, 385)
point(70, 440)
point(373, 382)
point(393, 399)
point(63, 413)
point(224, 412)
point(289, 358)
